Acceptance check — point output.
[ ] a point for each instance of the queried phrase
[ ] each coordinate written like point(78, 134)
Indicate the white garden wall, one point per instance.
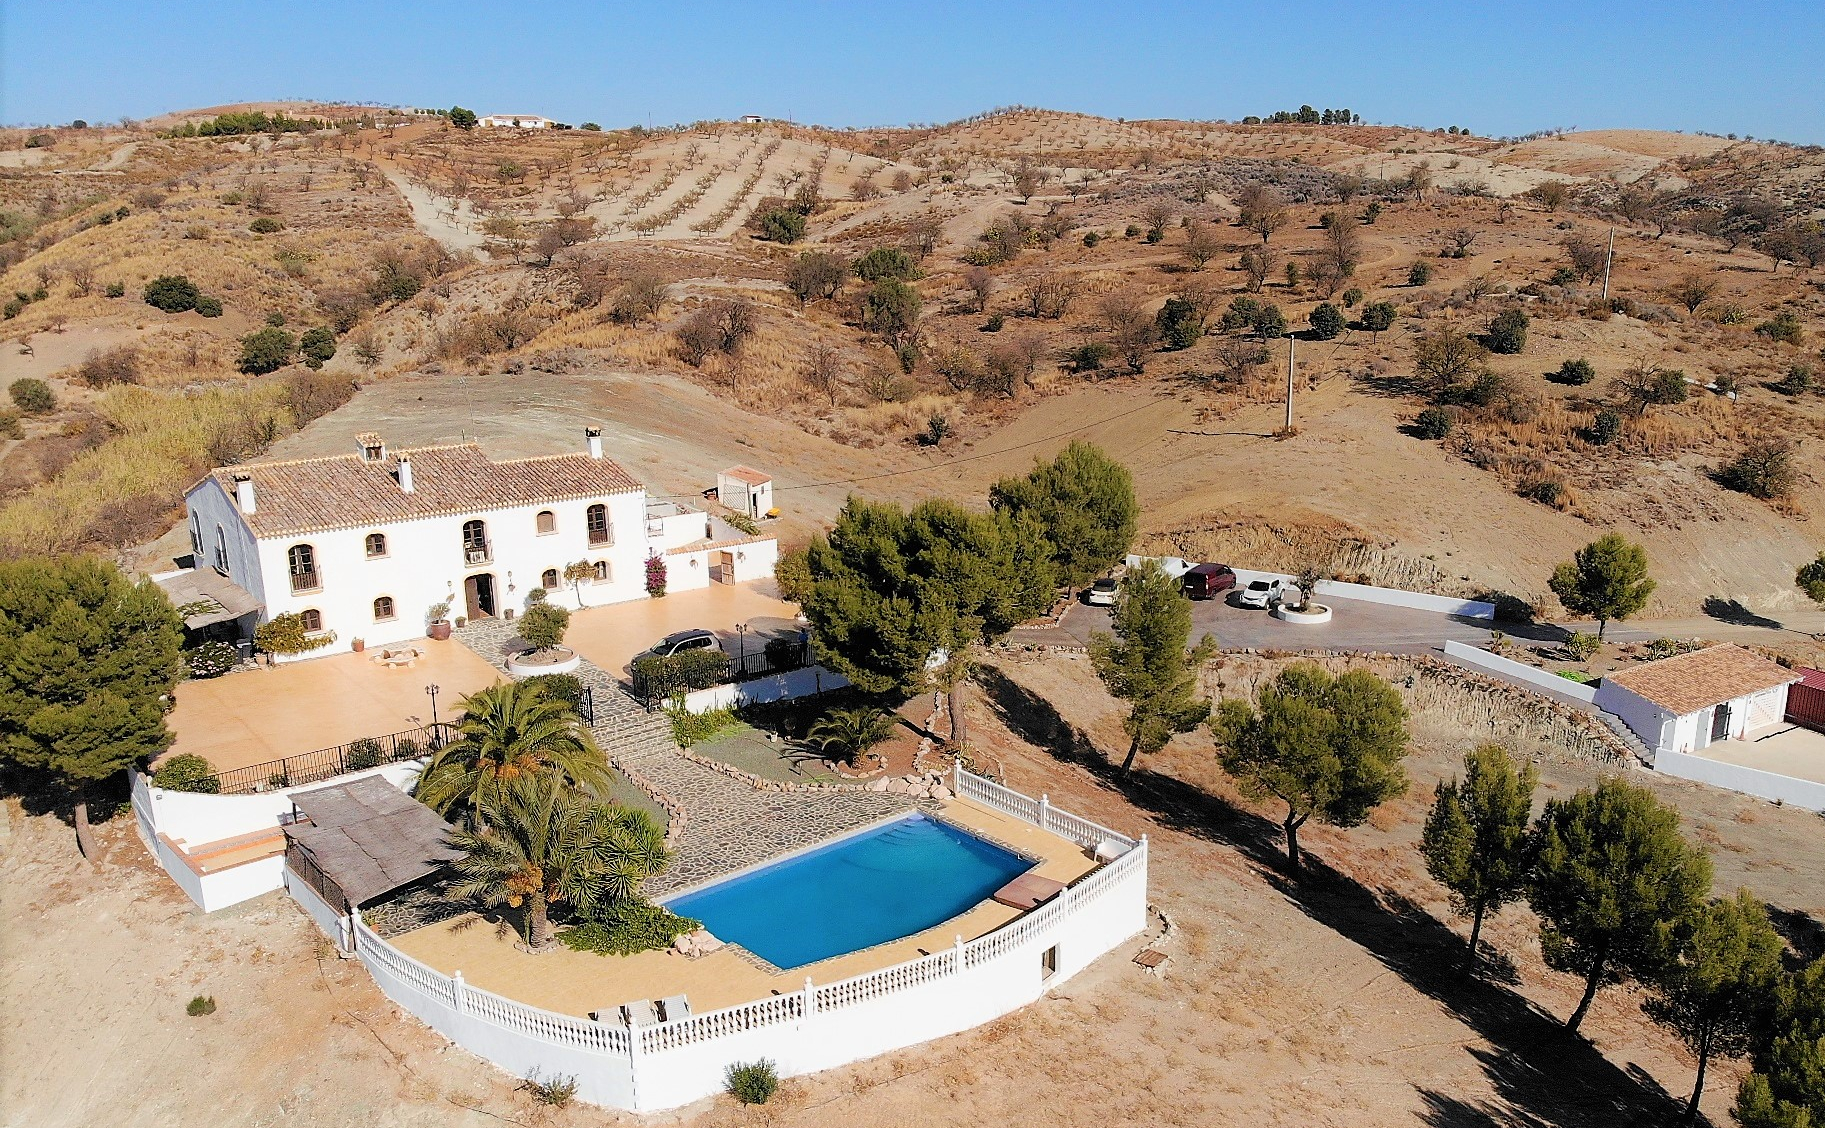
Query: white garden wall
point(819, 1027)
point(1750, 781)
point(1532, 675)
point(759, 691)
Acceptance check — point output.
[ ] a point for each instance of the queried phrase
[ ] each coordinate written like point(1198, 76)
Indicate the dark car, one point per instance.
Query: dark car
point(681, 641)
point(1207, 581)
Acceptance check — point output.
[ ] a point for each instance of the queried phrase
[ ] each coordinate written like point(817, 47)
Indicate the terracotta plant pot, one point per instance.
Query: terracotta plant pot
point(440, 630)
point(359, 645)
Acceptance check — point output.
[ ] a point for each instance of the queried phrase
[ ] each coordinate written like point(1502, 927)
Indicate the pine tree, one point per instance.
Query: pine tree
point(1145, 661)
point(86, 658)
point(1606, 579)
point(1085, 501)
point(1613, 883)
point(1717, 995)
point(1327, 747)
point(1475, 840)
point(1787, 1088)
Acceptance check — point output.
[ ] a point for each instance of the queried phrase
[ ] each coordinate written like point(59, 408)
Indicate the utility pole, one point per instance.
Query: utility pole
point(1292, 344)
point(1609, 256)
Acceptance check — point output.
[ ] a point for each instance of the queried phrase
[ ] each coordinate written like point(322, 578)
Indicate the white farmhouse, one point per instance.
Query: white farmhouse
point(516, 121)
point(1684, 704)
point(365, 545)
point(745, 490)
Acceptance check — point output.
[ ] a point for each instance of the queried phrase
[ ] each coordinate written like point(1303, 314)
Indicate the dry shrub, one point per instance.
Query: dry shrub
point(106, 367)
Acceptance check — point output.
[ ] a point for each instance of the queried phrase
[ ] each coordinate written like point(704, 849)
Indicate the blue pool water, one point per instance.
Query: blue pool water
point(863, 890)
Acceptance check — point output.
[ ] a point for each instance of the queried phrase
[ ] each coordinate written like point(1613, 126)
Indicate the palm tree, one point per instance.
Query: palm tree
point(509, 731)
point(544, 842)
point(845, 734)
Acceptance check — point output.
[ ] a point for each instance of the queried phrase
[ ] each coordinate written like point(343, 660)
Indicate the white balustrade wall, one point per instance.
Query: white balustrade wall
point(819, 1027)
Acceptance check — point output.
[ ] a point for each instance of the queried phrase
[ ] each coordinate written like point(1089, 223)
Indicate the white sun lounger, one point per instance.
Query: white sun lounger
point(639, 1013)
point(673, 1008)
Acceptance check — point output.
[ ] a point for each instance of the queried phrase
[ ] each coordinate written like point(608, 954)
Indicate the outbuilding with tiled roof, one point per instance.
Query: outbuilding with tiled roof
point(1690, 701)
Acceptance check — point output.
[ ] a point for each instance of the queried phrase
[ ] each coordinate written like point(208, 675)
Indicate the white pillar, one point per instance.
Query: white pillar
point(810, 1005)
point(957, 778)
point(1045, 811)
point(459, 996)
point(958, 953)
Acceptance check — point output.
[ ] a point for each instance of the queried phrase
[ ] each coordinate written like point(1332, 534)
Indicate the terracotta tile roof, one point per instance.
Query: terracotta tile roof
point(348, 491)
point(748, 474)
point(1687, 683)
point(709, 545)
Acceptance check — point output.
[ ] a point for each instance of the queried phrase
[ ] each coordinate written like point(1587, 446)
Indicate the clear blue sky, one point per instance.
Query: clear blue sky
point(1498, 68)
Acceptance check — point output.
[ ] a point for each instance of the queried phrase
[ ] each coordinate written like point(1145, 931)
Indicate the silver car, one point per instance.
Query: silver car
point(1102, 593)
point(1262, 594)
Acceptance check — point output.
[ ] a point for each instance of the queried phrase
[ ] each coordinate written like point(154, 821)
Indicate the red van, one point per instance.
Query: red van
point(1207, 581)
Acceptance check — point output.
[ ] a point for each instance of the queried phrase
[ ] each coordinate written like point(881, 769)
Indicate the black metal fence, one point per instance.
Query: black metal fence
point(327, 763)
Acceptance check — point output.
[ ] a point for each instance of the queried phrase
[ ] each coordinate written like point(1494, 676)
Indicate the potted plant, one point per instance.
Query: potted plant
point(543, 626)
point(439, 625)
point(359, 645)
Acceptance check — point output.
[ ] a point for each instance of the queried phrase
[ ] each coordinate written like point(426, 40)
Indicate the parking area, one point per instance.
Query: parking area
point(1786, 750)
point(1354, 625)
point(612, 636)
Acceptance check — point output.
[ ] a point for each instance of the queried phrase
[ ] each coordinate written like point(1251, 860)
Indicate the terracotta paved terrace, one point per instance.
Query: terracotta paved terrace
point(576, 983)
point(611, 636)
point(257, 716)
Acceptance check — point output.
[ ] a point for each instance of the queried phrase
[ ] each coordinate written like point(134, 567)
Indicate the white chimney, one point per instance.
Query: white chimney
point(594, 434)
point(405, 474)
point(243, 491)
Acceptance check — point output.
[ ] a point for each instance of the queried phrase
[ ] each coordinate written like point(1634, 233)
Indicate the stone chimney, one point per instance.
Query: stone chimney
point(405, 474)
point(243, 491)
point(371, 447)
point(594, 435)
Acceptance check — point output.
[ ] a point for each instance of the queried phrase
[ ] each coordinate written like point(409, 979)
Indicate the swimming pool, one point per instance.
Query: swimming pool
point(859, 891)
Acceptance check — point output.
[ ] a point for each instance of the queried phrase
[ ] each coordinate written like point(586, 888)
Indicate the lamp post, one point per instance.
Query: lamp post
point(432, 690)
point(741, 650)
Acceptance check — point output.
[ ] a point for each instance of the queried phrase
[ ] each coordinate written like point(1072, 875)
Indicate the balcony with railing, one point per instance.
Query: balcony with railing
point(309, 580)
point(477, 552)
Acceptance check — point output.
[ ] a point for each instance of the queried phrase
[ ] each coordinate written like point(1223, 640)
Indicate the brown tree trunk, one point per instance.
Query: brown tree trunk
point(959, 727)
point(1134, 748)
point(1291, 826)
point(1698, 1087)
point(538, 922)
point(1476, 929)
point(1590, 990)
point(85, 840)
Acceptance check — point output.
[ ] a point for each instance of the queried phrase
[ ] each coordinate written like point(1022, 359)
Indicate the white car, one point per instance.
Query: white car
point(1262, 594)
point(1102, 593)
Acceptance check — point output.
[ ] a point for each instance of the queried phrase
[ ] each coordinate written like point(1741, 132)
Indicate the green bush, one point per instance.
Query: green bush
point(276, 319)
point(1508, 332)
point(208, 306)
point(200, 1006)
point(752, 1083)
point(1089, 357)
point(116, 290)
point(285, 634)
point(1580, 676)
point(1091, 239)
point(782, 225)
point(1606, 427)
point(628, 928)
point(1351, 297)
point(784, 653)
point(656, 678)
point(316, 346)
point(1577, 373)
point(268, 350)
point(690, 729)
point(1268, 321)
point(265, 225)
point(10, 427)
point(211, 659)
point(1327, 321)
point(1564, 276)
point(995, 323)
point(13, 308)
point(1433, 423)
point(886, 264)
point(1582, 646)
point(32, 395)
point(557, 1091)
point(187, 772)
point(1419, 274)
point(363, 754)
point(172, 293)
point(544, 624)
point(1784, 327)
point(560, 687)
point(1178, 324)
point(792, 573)
point(742, 522)
point(405, 748)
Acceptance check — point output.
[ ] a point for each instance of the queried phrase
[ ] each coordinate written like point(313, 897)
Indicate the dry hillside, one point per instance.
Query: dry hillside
point(610, 272)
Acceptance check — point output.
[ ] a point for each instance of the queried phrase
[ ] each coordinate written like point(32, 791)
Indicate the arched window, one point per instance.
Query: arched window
point(196, 538)
point(221, 550)
point(603, 574)
point(377, 545)
point(313, 619)
point(383, 608)
point(302, 559)
point(600, 531)
point(549, 579)
point(475, 542)
point(548, 522)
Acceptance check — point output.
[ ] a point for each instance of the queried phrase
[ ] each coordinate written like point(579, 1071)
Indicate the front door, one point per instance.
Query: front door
point(1720, 722)
point(478, 592)
point(724, 572)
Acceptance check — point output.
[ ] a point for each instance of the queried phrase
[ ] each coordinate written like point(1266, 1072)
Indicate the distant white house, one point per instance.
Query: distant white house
point(745, 490)
point(364, 545)
point(751, 119)
point(516, 121)
point(1686, 703)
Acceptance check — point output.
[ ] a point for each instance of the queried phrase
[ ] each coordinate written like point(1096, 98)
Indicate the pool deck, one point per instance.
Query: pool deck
point(576, 983)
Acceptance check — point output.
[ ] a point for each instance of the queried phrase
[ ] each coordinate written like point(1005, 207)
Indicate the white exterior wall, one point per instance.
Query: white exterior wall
point(1532, 675)
point(1645, 719)
point(425, 565)
point(820, 1027)
point(757, 691)
point(1750, 781)
point(751, 560)
point(211, 508)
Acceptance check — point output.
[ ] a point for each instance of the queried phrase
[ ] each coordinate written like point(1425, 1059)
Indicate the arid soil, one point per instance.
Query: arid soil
point(1336, 999)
